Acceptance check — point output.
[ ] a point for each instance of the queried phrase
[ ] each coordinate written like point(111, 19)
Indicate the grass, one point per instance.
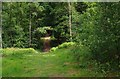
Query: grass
point(52, 64)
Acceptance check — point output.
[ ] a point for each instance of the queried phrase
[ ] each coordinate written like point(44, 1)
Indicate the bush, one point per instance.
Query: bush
point(13, 51)
point(81, 54)
point(53, 49)
point(64, 45)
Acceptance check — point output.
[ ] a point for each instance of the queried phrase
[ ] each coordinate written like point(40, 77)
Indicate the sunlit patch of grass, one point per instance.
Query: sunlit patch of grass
point(53, 64)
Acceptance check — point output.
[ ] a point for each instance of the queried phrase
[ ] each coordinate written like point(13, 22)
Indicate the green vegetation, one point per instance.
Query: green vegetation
point(12, 51)
point(54, 64)
point(59, 63)
point(64, 45)
point(71, 39)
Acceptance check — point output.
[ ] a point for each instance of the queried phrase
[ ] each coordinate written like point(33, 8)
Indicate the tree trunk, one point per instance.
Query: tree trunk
point(70, 19)
point(30, 31)
point(0, 26)
point(0, 36)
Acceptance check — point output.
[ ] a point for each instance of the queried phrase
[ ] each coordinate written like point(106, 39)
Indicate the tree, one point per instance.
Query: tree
point(30, 13)
point(0, 36)
point(70, 19)
point(18, 20)
point(99, 32)
point(0, 27)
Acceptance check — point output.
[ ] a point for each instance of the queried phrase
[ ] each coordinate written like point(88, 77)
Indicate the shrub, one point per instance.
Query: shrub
point(53, 48)
point(13, 51)
point(81, 54)
point(64, 45)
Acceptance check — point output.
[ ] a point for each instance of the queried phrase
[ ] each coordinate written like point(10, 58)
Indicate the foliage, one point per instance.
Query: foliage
point(66, 45)
point(16, 23)
point(82, 55)
point(108, 35)
point(15, 51)
point(98, 31)
point(63, 45)
point(95, 29)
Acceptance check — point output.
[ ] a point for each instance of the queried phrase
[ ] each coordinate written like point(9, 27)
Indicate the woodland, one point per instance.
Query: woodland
point(60, 39)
